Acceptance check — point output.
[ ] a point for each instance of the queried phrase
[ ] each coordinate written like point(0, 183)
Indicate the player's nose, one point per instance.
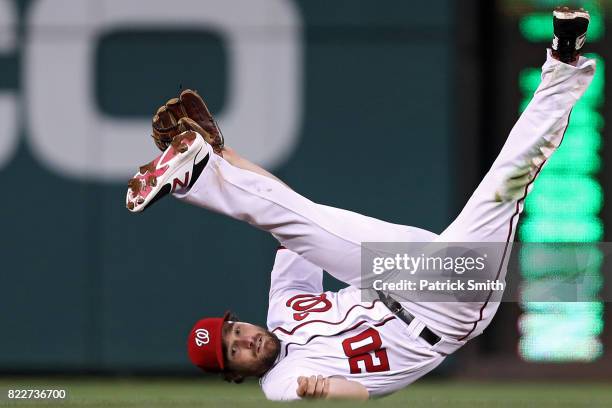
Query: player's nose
point(247, 342)
point(251, 341)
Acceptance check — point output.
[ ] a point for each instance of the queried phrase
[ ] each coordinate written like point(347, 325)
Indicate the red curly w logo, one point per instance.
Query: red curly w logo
point(306, 304)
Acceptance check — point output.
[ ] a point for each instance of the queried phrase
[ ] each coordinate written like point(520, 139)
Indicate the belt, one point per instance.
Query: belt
point(398, 310)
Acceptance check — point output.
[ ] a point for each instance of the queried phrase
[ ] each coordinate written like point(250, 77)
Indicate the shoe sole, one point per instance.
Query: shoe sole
point(184, 174)
point(571, 14)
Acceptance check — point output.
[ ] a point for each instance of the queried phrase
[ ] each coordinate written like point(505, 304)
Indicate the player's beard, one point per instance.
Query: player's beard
point(270, 352)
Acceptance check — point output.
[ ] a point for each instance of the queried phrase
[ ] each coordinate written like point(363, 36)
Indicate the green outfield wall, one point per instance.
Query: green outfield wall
point(349, 102)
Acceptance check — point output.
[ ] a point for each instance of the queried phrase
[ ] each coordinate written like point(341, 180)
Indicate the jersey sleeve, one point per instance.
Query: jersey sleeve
point(280, 383)
point(291, 272)
point(281, 389)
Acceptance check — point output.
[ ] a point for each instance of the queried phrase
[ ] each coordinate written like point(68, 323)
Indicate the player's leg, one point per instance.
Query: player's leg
point(328, 237)
point(492, 213)
point(237, 160)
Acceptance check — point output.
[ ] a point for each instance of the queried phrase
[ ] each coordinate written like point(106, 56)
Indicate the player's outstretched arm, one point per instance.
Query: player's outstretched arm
point(319, 387)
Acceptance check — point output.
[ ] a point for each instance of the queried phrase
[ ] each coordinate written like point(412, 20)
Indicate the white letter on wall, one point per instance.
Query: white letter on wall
point(70, 135)
point(8, 99)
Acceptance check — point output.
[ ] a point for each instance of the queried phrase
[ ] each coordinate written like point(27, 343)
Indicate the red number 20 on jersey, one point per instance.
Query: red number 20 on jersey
point(364, 347)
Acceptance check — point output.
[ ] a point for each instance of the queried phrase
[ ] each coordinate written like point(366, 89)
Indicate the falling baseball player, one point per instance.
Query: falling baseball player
point(322, 344)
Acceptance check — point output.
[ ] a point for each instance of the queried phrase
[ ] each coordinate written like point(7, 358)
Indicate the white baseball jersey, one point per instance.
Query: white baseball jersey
point(334, 333)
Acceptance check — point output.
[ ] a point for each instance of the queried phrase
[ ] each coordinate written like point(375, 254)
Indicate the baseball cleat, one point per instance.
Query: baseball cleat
point(570, 30)
point(178, 167)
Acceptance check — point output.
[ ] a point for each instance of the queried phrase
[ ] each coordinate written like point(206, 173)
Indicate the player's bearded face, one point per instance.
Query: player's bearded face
point(250, 350)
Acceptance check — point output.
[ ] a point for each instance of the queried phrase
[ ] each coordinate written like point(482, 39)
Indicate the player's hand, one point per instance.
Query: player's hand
point(312, 387)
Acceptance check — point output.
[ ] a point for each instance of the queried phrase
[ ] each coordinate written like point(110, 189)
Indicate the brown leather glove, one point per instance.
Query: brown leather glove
point(187, 112)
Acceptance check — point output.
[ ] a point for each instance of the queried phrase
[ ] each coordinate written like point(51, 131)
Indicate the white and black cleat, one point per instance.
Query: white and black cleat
point(570, 31)
point(177, 168)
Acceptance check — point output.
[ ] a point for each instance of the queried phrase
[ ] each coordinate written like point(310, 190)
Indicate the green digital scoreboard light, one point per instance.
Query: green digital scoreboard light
point(564, 206)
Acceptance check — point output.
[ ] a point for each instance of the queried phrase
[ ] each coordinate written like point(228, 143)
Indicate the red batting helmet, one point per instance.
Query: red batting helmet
point(205, 344)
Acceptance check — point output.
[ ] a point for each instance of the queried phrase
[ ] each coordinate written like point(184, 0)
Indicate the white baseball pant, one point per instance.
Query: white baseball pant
point(331, 238)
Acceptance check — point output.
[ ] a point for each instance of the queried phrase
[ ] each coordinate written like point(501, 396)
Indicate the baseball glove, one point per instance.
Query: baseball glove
point(187, 112)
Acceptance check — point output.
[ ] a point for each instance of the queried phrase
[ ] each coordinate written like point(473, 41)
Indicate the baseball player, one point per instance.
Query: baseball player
point(322, 344)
